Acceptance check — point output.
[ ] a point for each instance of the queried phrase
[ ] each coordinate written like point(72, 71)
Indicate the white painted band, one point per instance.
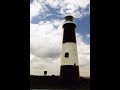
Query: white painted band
point(72, 59)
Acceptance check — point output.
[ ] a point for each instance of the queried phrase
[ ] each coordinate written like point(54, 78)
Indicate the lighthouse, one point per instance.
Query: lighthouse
point(69, 70)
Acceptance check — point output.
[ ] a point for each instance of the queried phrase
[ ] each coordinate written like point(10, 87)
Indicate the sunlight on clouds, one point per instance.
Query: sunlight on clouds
point(63, 7)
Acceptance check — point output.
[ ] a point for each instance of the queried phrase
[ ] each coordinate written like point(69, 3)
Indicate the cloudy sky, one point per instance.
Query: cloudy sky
point(46, 20)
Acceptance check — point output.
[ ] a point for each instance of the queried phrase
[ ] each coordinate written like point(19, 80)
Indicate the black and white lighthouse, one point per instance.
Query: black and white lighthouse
point(69, 71)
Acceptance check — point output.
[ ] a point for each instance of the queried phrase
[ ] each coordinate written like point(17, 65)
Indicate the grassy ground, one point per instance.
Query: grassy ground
point(53, 82)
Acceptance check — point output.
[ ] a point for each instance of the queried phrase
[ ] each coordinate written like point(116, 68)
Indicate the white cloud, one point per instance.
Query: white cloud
point(34, 9)
point(88, 35)
point(74, 7)
point(38, 7)
point(45, 39)
point(77, 8)
point(85, 71)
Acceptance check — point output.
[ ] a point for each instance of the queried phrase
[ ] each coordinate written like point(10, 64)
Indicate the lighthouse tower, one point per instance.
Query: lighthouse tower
point(69, 71)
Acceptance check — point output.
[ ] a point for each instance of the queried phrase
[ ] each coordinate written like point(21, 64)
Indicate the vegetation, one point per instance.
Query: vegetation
point(53, 82)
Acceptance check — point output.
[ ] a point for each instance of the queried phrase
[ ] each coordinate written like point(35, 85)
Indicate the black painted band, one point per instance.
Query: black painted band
point(69, 73)
point(69, 33)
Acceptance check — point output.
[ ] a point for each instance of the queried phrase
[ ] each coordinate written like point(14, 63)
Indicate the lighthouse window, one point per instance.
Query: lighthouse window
point(45, 73)
point(74, 64)
point(66, 54)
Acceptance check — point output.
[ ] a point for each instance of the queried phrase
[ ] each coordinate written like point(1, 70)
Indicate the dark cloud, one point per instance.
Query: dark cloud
point(31, 1)
point(39, 66)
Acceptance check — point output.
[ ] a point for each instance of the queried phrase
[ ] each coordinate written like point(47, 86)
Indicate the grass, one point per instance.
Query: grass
point(53, 82)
